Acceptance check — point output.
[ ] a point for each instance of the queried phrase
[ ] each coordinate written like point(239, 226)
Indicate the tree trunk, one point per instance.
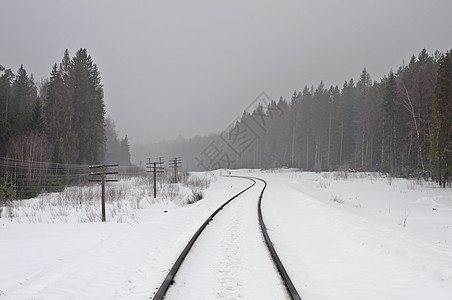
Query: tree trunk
point(362, 150)
point(408, 104)
point(7, 101)
point(342, 141)
point(329, 144)
point(382, 147)
point(307, 149)
point(293, 146)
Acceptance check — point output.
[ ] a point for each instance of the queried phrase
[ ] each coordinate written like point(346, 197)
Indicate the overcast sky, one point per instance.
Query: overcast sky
point(191, 67)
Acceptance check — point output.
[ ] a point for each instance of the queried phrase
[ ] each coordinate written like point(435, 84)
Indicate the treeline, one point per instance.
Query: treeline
point(401, 124)
point(51, 129)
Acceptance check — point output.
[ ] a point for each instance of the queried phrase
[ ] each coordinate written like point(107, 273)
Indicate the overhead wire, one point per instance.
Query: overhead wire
point(31, 175)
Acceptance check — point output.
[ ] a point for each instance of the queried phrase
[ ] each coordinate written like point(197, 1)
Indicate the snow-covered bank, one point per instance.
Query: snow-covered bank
point(124, 200)
point(74, 260)
point(363, 236)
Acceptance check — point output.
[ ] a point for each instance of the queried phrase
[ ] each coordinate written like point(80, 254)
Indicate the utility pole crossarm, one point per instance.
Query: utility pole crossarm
point(103, 166)
point(153, 168)
point(175, 163)
point(103, 173)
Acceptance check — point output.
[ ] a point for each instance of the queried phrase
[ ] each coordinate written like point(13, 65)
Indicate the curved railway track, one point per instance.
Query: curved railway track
point(159, 295)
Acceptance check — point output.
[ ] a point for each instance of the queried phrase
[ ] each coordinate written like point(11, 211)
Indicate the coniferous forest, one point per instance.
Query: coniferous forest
point(51, 131)
point(400, 125)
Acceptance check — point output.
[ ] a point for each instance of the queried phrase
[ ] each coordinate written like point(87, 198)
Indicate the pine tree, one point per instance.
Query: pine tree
point(333, 128)
point(388, 148)
point(346, 123)
point(415, 88)
point(364, 107)
point(306, 128)
point(441, 131)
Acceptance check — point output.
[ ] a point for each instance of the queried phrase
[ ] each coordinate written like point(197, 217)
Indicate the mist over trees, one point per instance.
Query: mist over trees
point(401, 125)
point(47, 128)
point(118, 150)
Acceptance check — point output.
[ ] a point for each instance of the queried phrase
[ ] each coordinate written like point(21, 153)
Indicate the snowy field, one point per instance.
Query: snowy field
point(340, 236)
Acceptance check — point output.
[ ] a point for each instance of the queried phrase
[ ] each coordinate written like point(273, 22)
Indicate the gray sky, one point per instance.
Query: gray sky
point(191, 67)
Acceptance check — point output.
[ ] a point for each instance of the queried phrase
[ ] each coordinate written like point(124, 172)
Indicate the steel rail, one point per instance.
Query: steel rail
point(282, 271)
point(292, 291)
point(172, 273)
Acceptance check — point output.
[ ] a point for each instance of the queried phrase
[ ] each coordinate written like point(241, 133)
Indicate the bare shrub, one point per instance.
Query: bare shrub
point(403, 218)
point(59, 213)
point(91, 214)
point(172, 191)
point(389, 180)
point(326, 175)
point(357, 205)
point(10, 212)
point(324, 184)
point(32, 216)
point(195, 196)
point(340, 175)
point(337, 199)
point(195, 182)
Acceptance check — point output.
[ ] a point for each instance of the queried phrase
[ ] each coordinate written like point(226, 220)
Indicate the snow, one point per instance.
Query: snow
point(226, 258)
point(339, 235)
point(359, 248)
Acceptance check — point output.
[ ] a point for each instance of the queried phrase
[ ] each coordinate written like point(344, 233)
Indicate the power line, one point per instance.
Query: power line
point(42, 162)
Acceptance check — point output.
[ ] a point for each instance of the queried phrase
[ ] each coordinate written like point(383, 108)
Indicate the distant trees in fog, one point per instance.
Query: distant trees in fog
point(401, 124)
point(118, 150)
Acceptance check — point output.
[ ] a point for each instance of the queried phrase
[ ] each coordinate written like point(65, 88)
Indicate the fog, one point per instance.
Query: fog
point(189, 68)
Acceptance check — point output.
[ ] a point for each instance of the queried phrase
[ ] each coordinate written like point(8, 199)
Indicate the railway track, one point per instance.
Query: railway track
point(169, 279)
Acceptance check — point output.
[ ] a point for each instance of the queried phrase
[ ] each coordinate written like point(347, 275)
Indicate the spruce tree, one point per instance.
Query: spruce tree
point(37, 122)
point(125, 152)
point(24, 92)
point(89, 108)
point(441, 130)
point(59, 111)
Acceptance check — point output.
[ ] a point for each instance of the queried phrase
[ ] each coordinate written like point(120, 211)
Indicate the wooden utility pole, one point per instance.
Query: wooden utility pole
point(175, 163)
point(103, 173)
point(152, 166)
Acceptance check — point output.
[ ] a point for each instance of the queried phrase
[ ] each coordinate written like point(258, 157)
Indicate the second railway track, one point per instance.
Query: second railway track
point(230, 259)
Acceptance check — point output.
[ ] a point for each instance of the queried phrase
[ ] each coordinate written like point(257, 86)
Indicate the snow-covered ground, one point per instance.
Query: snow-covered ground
point(229, 260)
point(340, 236)
point(362, 237)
